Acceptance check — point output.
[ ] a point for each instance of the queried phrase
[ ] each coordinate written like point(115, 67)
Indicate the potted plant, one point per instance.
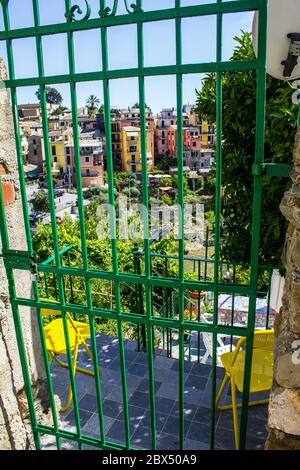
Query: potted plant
point(190, 314)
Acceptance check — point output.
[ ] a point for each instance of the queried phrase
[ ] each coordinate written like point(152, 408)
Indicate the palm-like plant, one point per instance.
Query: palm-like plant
point(92, 102)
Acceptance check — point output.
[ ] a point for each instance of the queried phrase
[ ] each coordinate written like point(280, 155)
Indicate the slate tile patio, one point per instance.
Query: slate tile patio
point(197, 393)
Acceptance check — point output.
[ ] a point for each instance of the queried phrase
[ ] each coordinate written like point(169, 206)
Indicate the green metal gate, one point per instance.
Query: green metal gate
point(107, 18)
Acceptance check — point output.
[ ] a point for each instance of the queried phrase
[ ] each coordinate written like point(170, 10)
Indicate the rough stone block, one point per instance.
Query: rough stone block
point(284, 411)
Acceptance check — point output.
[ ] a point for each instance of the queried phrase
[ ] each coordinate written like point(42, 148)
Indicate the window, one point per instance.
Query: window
point(133, 168)
point(132, 137)
point(194, 144)
point(55, 159)
point(87, 172)
point(34, 141)
point(133, 158)
point(53, 150)
point(68, 161)
point(87, 160)
point(34, 152)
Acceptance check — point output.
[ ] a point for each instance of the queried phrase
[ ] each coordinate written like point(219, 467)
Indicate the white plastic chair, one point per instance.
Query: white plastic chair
point(208, 343)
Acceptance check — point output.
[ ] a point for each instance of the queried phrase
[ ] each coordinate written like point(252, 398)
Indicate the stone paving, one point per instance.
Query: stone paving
point(198, 392)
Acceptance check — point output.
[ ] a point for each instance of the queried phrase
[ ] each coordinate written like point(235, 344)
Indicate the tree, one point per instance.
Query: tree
point(58, 111)
point(92, 103)
point(134, 192)
point(137, 105)
point(239, 125)
point(101, 109)
point(53, 96)
point(40, 202)
point(165, 162)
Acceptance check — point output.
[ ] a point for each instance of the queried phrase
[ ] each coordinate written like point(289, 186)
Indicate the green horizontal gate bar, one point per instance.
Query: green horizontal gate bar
point(282, 170)
point(136, 72)
point(168, 14)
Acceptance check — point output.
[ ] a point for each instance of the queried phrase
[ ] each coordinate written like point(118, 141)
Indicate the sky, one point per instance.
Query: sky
point(198, 45)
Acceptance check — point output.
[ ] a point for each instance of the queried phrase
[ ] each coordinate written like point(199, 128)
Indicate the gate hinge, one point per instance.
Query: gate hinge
point(20, 260)
point(259, 169)
point(282, 170)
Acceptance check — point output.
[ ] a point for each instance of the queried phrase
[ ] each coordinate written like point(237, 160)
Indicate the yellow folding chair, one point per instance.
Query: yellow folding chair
point(79, 333)
point(261, 372)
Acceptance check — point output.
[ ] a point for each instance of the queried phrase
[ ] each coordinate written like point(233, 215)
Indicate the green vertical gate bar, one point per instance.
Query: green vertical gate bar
point(110, 170)
point(76, 142)
point(18, 326)
point(5, 238)
point(219, 123)
point(145, 197)
point(59, 277)
point(180, 164)
point(35, 7)
point(43, 102)
point(206, 253)
point(257, 198)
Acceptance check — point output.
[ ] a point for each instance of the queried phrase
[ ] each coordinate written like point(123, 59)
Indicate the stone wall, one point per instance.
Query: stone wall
point(284, 408)
point(15, 431)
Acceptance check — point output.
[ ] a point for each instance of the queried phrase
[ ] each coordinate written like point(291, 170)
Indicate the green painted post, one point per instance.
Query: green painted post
point(257, 198)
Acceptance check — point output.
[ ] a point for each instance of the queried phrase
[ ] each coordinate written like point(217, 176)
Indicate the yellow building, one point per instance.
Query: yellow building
point(131, 149)
point(208, 135)
point(193, 118)
point(58, 155)
point(204, 134)
point(54, 124)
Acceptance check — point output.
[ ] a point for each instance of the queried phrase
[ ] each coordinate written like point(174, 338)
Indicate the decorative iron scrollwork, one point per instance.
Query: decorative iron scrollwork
point(71, 14)
point(132, 8)
point(135, 7)
point(4, 3)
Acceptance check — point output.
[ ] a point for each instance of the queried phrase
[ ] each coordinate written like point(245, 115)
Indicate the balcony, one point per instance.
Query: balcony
point(90, 154)
point(134, 162)
point(198, 384)
point(92, 174)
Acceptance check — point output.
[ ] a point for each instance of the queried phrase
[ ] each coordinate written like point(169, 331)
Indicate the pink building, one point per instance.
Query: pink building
point(91, 162)
point(172, 141)
point(191, 140)
point(166, 119)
